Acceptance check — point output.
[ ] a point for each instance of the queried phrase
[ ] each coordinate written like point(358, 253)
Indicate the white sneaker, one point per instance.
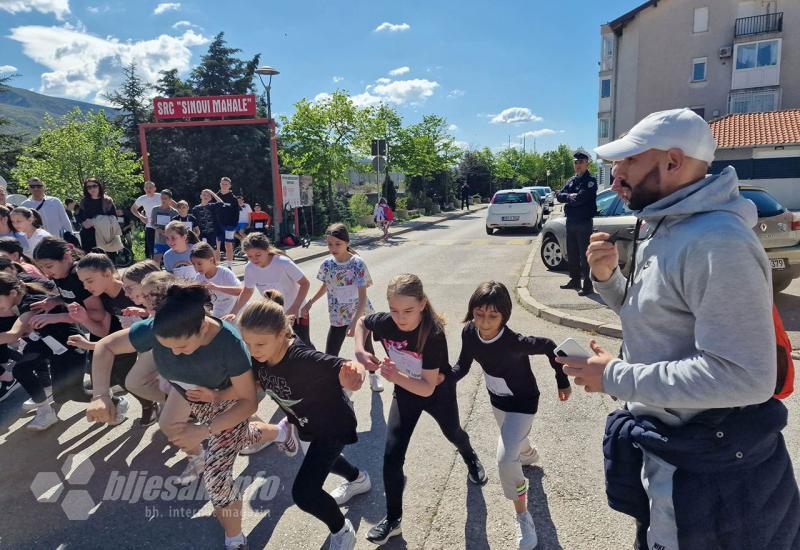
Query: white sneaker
point(122, 410)
point(526, 532)
point(254, 448)
point(349, 489)
point(529, 457)
point(194, 469)
point(31, 405)
point(45, 417)
point(292, 443)
point(344, 539)
point(375, 383)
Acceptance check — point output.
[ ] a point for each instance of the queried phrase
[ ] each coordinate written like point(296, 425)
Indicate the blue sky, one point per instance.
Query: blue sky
point(493, 69)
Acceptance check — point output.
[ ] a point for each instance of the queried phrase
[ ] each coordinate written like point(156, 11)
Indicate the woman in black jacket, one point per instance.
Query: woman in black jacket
point(94, 203)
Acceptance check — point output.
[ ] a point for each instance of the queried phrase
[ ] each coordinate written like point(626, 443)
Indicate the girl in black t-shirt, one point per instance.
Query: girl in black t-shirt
point(504, 356)
point(413, 337)
point(308, 386)
point(43, 345)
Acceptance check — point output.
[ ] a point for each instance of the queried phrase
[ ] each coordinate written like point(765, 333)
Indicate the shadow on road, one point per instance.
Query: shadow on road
point(540, 510)
point(475, 528)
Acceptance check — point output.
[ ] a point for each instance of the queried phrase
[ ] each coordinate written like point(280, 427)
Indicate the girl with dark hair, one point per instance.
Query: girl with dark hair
point(7, 228)
point(504, 356)
point(94, 203)
point(192, 349)
point(345, 279)
point(44, 345)
point(219, 280)
point(417, 364)
point(12, 249)
point(309, 387)
point(180, 241)
point(29, 223)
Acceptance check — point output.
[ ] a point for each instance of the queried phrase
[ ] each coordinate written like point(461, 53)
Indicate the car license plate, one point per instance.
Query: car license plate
point(510, 218)
point(778, 263)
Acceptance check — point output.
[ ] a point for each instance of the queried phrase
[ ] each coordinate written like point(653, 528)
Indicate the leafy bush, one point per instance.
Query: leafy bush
point(359, 207)
point(402, 203)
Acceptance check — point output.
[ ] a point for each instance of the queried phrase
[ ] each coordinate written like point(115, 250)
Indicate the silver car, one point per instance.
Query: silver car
point(777, 228)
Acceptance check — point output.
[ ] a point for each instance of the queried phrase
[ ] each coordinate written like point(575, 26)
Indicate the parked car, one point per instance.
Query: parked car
point(514, 208)
point(778, 230)
point(544, 196)
point(546, 192)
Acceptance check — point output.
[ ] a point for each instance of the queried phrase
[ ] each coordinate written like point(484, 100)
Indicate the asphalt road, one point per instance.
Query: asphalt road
point(442, 510)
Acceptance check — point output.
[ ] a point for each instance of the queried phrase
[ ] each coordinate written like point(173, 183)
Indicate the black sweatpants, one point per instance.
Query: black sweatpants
point(464, 202)
point(303, 331)
point(323, 456)
point(403, 417)
point(578, 233)
point(149, 241)
point(66, 373)
point(336, 336)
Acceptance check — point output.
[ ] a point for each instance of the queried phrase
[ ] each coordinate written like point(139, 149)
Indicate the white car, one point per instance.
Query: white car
point(514, 208)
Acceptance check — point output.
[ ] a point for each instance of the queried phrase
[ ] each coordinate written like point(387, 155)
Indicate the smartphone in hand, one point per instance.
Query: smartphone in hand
point(571, 348)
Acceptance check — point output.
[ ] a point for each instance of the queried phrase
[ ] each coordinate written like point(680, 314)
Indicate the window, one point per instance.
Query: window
point(607, 53)
point(756, 54)
point(754, 102)
point(604, 201)
point(605, 88)
point(699, 69)
point(765, 203)
point(700, 111)
point(700, 20)
point(602, 128)
point(510, 198)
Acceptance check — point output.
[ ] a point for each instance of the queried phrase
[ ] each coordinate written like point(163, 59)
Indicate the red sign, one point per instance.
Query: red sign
point(216, 106)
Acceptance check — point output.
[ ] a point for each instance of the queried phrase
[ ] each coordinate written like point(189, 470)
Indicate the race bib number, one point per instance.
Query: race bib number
point(407, 362)
point(497, 386)
point(229, 235)
point(162, 219)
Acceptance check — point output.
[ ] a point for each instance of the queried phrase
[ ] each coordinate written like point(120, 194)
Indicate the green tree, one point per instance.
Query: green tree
point(10, 144)
point(476, 169)
point(78, 146)
point(220, 72)
point(171, 85)
point(321, 140)
point(132, 101)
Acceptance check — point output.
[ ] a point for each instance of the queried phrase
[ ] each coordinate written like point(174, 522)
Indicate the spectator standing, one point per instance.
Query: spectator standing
point(259, 220)
point(206, 215)
point(159, 218)
point(93, 204)
point(244, 218)
point(71, 206)
point(54, 216)
point(228, 218)
point(465, 195)
point(143, 208)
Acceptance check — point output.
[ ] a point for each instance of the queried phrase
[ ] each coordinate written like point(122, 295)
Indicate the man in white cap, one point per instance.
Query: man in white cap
point(696, 455)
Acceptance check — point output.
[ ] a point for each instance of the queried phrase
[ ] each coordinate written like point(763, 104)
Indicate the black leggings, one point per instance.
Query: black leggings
point(303, 332)
point(66, 371)
point(336, 336)
point(324, 456)
point(403, 416)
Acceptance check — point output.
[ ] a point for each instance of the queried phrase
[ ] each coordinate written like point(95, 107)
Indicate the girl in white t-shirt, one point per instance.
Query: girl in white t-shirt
point(269, 268)
point(345, 279)
point(29, 223)
point(380, 217)
point(220, 281)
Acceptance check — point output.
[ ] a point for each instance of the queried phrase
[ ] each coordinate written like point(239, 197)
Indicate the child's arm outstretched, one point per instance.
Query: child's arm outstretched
point(535, 345)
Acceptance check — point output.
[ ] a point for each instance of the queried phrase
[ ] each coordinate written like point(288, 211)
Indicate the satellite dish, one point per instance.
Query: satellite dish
point(16, 199)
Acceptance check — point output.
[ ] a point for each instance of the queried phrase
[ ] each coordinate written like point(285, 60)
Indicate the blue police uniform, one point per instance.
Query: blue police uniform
point(579, 210)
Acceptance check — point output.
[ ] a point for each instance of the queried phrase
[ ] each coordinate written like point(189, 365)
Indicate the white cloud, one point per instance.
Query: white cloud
point(59, 8)
point(515, 115)
point(392, 27)
point(338, 79)
point(187, 24)
point(166, 6)
point(385, 90)
point(452, 128)
point(98, 9)
point(540, 133)
point(383, 80)
point(399, 71)
point(463, 145)
point(456, 93)
point(8, 69)
point(322, 97)
point(81, 64)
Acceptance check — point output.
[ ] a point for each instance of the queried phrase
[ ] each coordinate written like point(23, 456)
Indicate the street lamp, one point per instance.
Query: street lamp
point(547, 178)
point(277, 190)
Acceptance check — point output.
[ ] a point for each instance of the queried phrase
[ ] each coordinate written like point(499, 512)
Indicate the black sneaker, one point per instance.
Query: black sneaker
point(573, 284)
point(384, 531)
point(477, 474)
point(149, 414)
point(6, 388)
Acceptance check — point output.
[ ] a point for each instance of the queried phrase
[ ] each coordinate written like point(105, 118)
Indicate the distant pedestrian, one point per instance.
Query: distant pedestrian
point(579, 195)
point(207, 219)
point(54, 216)
point(159, 218)
point(465, 195)
point(228, 218)
point(244, 218)
point(71, 205)
point(259, 220)
point(383, 215)
point(143, 208)
point(95, 203)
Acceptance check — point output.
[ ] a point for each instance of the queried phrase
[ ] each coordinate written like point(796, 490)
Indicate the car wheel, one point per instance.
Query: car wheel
point(489, 230)
point(551, 253)
point(780, 282)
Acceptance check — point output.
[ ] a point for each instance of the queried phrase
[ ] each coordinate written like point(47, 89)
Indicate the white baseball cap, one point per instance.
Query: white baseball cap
point(674, 129)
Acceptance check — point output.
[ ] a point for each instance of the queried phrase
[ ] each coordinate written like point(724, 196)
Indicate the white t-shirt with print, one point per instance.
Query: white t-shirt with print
point(148, 203)
point(244, 213)
point(282, 274)
point(223, 303)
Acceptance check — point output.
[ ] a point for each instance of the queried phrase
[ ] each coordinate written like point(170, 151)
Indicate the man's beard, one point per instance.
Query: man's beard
point(646, 192)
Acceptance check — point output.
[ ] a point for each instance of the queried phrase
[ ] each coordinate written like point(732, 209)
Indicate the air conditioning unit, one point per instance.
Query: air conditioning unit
point(727, 51)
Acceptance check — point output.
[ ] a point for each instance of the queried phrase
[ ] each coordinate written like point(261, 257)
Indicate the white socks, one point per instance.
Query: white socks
point(283, 431)
point(231, 541)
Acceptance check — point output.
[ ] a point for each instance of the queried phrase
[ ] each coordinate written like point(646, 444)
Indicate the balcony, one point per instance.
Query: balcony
point(759, 24)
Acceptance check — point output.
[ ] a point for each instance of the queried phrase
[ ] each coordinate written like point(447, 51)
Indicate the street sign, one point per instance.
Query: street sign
point(379, 164)
point(165, 108)
point(291, 191)
point(378, 147)
point(306, 191)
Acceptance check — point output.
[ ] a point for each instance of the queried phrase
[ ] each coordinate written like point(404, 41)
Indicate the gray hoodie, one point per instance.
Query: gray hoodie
point(697, 321)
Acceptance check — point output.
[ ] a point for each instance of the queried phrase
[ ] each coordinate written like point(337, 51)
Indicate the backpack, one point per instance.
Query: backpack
point(784, 385)
point(387, 213)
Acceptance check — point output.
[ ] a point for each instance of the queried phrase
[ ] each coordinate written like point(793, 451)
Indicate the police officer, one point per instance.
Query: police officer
point(578, 196)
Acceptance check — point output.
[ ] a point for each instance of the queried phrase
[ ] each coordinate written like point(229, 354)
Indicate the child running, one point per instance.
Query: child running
point(220, 281)
point(192, 349)
point(268, 268)
point(413, 337)
point(177, 259)
point(345, 279)
point(504, 356)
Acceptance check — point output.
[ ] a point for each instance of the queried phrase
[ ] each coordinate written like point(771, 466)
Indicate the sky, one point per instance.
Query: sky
point(495, 70)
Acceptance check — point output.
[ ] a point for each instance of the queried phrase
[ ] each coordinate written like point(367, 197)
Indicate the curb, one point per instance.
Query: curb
point(367, 240)
point(553, 315)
